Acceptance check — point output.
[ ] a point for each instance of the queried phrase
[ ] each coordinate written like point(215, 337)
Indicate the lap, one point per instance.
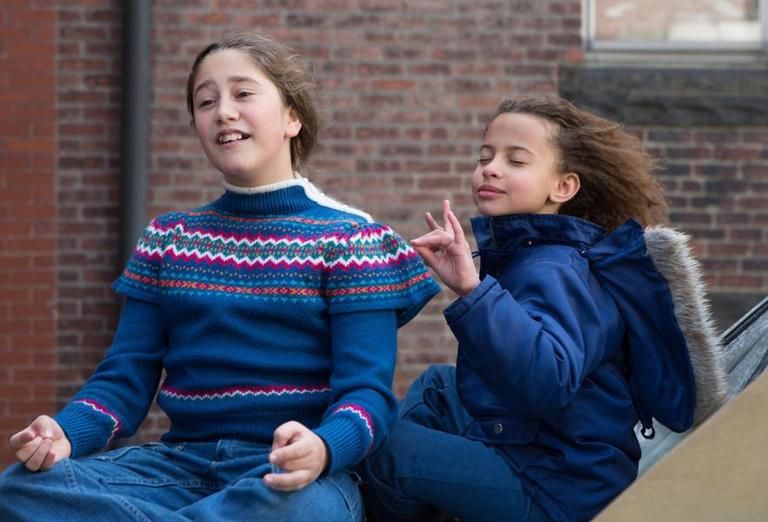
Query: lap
point(132, 483)
point(427, 455)
point(334, 498)
point(158, 481)
point(427, 465)
point(433, 401)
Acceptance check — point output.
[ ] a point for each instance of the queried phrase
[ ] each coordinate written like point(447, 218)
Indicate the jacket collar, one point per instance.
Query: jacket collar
point(510, 232)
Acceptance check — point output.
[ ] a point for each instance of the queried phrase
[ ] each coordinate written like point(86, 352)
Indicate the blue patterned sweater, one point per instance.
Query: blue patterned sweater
point(267, 305)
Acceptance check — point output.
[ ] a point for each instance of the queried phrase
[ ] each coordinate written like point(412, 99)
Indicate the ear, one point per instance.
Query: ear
point(566, 186)
point(292, 124)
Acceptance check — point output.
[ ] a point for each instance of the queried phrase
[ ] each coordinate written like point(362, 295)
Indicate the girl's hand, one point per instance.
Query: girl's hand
point(446, 251)
point(299, 453)
point(41, 444)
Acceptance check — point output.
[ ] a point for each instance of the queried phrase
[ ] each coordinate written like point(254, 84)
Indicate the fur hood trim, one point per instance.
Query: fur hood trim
point(672, 254)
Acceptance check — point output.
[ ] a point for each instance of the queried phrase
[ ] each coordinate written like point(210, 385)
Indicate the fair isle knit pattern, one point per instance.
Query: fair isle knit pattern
point(249, 289)
point(362, 263)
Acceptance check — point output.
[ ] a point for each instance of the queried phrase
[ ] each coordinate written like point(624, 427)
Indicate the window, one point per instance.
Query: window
point(638, 25)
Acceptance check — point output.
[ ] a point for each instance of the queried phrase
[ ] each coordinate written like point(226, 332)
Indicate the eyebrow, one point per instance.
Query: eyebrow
point(508, 148)
point(231, 79)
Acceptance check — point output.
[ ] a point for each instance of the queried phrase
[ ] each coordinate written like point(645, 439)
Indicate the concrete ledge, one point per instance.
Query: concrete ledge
point(719, 472)
point(669, 96)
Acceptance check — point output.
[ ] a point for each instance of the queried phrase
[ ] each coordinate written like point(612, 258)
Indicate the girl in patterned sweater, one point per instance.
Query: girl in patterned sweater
point(259, 307)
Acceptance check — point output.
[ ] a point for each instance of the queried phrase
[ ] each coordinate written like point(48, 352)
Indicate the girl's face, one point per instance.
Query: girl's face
point(241, 120)
point(517, 171)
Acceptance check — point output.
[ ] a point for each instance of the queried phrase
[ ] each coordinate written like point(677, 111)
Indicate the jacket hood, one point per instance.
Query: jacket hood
point(660, 372)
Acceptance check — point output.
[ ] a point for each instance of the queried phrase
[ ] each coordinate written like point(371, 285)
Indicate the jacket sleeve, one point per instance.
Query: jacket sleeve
point(363, 407)
point(534, 344)
point(118, 395)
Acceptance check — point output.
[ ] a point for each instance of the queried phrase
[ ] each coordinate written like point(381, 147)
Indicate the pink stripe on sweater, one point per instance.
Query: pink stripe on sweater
point(362, 414)
point(242, 391)
point(116, 425)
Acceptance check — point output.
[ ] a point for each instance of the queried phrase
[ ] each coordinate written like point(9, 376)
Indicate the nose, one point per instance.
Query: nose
point(490, 171)
point(226, 110)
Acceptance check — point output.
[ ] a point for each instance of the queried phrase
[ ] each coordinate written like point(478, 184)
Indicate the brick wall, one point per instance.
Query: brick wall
point(716, 182)
point(406, 87)
point(87, 182)
point(27, 213)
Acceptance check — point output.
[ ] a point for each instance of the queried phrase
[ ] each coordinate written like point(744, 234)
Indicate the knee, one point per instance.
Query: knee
point(424, 402)
point(398, 449)
point(437, 376)
point(336, 497)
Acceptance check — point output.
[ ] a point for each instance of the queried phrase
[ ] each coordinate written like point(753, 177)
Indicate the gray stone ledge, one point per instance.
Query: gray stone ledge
point(667, 96)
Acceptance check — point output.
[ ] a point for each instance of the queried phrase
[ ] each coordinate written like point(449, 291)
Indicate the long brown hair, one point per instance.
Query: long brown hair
point(615, 171)
point(287, 71)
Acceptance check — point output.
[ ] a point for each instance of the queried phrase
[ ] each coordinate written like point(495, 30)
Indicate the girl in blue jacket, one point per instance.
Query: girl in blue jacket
point(566, 337)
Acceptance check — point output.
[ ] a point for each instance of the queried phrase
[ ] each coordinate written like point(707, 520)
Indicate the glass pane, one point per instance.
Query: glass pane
point(677, 20)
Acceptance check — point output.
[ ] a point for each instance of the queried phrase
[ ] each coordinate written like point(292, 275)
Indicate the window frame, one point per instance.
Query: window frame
point(592, 45)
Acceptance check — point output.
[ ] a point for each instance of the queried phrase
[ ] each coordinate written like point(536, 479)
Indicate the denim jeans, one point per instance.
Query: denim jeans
point(206, 481)
point(427, 470)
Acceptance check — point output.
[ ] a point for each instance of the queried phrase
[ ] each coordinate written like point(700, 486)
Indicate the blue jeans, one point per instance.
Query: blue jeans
point(427, 470)
point(207, 481)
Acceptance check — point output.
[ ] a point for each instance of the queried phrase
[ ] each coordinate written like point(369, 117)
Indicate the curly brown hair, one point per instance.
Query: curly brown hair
point(287, 71)
point(615, 171)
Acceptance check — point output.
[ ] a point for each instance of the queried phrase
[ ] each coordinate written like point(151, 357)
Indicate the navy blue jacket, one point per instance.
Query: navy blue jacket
point(568, 341)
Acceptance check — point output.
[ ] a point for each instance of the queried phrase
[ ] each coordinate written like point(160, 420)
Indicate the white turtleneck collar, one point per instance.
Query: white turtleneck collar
point(298, 179)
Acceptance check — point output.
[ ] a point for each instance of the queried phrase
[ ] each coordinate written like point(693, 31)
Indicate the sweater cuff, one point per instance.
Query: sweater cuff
point(462, 305)
point(342, 437)
point(86, 431)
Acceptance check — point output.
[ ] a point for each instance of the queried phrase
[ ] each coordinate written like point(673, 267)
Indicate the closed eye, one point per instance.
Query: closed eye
point(484, 161)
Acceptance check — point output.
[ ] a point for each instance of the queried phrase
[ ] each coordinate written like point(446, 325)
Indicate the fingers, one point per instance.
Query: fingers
point(429, 257)
point(284, 455)
point(43, 426)
point(289, 481)
point(290, 445)
point(447, 225)
point(25, 452)
point(436, 240)
point(428, 246)
point(300, 453)
point(41, 444)
point(458, 232)
point(50, 460)
point(285, 432)
point(21, 438)
point(38, 456)
point(431, 223)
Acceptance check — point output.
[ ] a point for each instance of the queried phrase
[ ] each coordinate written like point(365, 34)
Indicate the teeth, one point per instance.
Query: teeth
point(226, 138)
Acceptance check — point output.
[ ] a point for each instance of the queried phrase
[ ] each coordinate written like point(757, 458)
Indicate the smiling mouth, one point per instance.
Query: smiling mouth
point(488, 189)
point(231, 136)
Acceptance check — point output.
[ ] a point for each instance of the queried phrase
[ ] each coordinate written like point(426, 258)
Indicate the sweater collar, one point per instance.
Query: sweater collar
point(510, 232)
point(283, 197)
